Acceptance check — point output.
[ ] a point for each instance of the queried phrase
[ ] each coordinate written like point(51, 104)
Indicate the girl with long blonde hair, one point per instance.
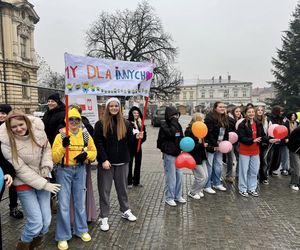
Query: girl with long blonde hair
point(25, 145)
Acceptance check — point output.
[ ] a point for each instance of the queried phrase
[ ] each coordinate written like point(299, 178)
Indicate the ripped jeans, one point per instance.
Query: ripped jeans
point(72, 179)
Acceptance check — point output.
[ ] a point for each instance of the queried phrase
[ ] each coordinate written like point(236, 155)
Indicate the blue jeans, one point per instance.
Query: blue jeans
point(214, 169)
point(285, 158)
point(36, 207)
point(173, 178)
point(72, 179)
point(248, 171)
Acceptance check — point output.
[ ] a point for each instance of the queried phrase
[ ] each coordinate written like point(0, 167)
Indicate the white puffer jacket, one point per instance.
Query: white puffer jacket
point(28, 168)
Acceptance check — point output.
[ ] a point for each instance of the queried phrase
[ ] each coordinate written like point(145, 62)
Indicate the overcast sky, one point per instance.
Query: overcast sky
point(214, 37)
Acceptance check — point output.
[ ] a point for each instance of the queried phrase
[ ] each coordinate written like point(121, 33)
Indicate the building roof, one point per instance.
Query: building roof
point(193, 82)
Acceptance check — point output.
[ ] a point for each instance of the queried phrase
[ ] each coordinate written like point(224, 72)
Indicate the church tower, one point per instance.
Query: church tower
point(17, 54)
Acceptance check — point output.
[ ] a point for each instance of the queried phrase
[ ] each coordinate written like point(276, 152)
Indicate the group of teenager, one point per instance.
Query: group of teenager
point(44, 158)
point(258, 155)
point(41, 157)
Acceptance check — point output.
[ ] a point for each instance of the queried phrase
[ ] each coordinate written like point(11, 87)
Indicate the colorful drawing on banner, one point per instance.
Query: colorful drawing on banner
point(87, 75)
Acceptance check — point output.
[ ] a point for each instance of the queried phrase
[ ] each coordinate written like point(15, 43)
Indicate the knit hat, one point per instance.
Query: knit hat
point(74, 113)
point(55, 97)
point(112, 99)
point(5, 108)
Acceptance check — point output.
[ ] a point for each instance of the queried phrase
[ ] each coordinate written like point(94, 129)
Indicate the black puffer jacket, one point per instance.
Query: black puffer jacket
point(245, 132)
point(170, 133)
point(294, 141)
point(54, 120)
point(198, 152)
point(110, 148)
point(214, 130)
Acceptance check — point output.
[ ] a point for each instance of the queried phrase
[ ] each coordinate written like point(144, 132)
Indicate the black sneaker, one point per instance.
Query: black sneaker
point(16, 213)
point(284, 172)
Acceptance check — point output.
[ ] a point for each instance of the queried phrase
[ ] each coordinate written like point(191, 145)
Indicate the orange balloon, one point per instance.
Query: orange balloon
point(199, 129)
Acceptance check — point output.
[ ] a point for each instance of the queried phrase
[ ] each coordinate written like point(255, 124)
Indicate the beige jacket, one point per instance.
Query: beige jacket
point(28, 168)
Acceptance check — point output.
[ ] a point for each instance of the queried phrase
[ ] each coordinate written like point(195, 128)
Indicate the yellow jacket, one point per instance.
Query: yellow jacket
point(76, 147)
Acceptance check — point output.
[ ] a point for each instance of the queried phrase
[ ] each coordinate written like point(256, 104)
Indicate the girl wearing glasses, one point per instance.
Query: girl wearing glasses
point(72, 177)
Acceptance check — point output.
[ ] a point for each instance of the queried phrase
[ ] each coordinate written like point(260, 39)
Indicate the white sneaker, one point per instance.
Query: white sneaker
point(194, 195)
point(209, 190)
point(294, 187)
point(171, 203)
point(104, 224)
point(220, 187)
point(201, 194)
point(181, 200)
point(128, 215)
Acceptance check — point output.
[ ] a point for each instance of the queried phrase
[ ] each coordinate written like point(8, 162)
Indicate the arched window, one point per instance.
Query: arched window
point(25, 81)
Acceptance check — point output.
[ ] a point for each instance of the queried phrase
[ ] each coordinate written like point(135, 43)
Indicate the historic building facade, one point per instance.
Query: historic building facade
point(204, 93)
point(17, 54)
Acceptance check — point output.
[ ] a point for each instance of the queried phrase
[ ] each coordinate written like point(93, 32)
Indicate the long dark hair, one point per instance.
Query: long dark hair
point(221, 118)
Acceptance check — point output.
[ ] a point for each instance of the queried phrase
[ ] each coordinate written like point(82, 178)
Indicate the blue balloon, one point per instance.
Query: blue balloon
point(187, 144)
point(1, 178)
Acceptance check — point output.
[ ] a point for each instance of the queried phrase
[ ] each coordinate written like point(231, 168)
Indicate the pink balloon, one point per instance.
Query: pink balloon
point(233, 137)
point(225, 147)
point(271, 129)
point(238, 123)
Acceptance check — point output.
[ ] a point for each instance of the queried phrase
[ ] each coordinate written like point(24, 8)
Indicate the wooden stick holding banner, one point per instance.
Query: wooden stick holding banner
point(67, 128)
point(143, 123)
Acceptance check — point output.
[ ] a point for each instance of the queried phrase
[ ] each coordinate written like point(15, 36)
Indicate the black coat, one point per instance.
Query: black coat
point(54, 120)
point(245, 132)
point(7, 169)
point(198, 152)
point(133, 145)
point(294, 140)
point(110, 148)
point(275, 119)
point(170, 134)
point(87, 125)
point(214, 130)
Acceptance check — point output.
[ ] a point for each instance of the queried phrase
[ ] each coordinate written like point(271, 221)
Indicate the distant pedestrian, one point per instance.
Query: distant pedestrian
point(169, 136)
point(135, 118)
point(199, 154)
point(25, 145)
point(113, 136)
point(218, 128)
point(15, 212)
point(72, 177)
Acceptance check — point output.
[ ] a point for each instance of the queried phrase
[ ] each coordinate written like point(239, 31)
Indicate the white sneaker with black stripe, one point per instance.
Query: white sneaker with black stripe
point(128, 215)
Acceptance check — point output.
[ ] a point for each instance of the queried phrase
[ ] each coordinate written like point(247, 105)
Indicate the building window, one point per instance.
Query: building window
point(191, 95)
point(244, 93)
point(211, 94)
point(235, 94)
point(25, 90)
point(184, 95)
point(202, 94)
point(23, 46)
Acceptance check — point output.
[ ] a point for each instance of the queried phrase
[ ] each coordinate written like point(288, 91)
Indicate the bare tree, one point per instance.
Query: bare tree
point(137, 36)
point(46, 77)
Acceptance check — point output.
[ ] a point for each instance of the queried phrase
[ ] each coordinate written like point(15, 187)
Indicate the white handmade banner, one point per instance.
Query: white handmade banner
point(95, 76)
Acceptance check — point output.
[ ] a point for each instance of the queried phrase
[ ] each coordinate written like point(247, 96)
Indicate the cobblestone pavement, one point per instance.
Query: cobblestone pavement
point(222, 221)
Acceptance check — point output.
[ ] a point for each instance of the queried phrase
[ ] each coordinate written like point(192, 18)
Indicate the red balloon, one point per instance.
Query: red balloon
point(280, 132)
point(185, 160)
